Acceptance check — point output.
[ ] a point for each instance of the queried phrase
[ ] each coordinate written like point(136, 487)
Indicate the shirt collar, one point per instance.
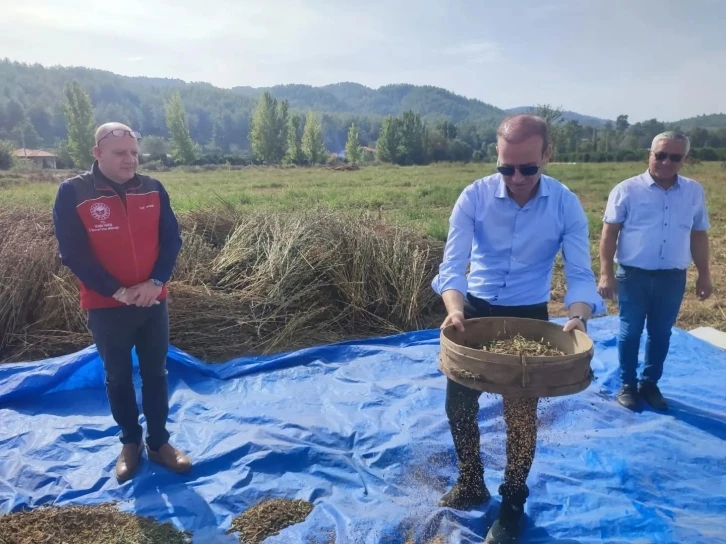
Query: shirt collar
point(102, 183)
point(650, 181)
point(542, 190)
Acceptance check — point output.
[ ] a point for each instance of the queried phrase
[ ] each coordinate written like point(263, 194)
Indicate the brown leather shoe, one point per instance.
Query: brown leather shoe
point(128, 461)
point(171, 458)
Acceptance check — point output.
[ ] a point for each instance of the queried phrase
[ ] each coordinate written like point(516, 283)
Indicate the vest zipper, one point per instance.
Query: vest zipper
point(131, 236)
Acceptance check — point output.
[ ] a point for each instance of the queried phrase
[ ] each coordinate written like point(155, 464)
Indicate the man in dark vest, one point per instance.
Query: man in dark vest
point(117, 233)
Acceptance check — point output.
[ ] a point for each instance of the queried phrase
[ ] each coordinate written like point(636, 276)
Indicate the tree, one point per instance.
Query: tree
point(183, 148)
point(42, 122)
point(154, 146)
point(6, 154)
point(352, 146)
point(554, 117)
point(698, 137)
point(621, 123)
point(269, 129)
point(389, 146)
point(447, 129)
point(573, 134)
point(79, 120)
point(413, 138)
point(14, 113)
point(312, 141)
point(608, 135)
point(460, 151)
point(295, 153)
point(25, 135)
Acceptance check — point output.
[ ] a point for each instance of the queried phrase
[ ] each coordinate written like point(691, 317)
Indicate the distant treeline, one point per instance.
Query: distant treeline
point(405, 124)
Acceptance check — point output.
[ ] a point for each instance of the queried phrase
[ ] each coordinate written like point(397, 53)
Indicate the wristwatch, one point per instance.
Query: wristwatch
point(584, 321)
point(157, 282)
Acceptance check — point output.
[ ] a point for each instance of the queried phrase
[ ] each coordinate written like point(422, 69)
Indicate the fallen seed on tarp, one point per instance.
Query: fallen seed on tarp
point(268, 518)
point(101, 524)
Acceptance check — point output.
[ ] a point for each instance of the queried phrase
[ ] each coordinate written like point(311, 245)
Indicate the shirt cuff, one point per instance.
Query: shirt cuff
point(443, 283)
point(590, 297)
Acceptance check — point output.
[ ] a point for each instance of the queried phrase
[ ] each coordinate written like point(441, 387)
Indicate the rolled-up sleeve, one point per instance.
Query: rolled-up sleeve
point(457, 253)
point(581, 285)
point(616, 208)
point(701, 221)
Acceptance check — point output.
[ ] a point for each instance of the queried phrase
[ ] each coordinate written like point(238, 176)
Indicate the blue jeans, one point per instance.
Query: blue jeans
point(655, 296)
point(116, 332)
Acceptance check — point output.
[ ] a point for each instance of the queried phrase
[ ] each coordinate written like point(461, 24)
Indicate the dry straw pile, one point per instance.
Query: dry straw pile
point(244, 284)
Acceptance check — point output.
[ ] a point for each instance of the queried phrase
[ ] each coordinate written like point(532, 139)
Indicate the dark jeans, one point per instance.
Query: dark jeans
point(116, 331)
point(520, 414)
point(655, 296)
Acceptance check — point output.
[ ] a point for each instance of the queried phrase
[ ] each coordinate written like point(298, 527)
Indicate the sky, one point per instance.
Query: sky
point(644, 58)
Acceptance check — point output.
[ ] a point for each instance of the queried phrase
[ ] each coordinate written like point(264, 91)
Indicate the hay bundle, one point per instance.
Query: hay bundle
point(243, 284)
point(28, 263)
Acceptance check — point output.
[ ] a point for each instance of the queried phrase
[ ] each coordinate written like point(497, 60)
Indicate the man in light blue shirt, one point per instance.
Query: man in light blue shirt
point(658, 222)
point(508, 228)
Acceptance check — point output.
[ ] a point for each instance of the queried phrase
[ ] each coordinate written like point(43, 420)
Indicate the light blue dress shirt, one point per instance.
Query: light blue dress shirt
point(511, 249)
point(656, 224)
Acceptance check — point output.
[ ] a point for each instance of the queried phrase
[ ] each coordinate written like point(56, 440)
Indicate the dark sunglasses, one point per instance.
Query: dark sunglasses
point(662, 155)
point(118, 132)
point(524, 170)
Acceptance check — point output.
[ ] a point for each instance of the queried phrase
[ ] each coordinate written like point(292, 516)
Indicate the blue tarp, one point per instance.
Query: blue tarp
point(359, 429)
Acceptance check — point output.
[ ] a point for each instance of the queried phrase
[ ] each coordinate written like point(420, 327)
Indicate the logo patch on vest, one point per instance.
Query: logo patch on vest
point(100, 211)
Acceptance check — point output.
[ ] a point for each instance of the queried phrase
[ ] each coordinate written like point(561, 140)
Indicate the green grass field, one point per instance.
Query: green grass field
point(419, 197)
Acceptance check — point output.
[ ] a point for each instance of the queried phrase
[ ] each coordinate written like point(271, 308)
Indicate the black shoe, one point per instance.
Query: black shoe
point(628, 397)
point(466, 494)
point(502, 534)
point(652, 395)
point(507, 528)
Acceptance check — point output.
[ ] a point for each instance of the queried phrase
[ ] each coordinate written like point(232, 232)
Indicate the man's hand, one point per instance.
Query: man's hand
point(125, 295)
point(455, 318)
point(573, 324)
point(606, 287)
point(145, 294)
point(704, 288)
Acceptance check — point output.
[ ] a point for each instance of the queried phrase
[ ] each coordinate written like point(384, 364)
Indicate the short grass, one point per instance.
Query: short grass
point(420, 197)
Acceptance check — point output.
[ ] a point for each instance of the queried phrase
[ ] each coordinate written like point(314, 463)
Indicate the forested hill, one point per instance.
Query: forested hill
point(584, 120)
point(353, 98)
point(31, 96)
point(31, 110)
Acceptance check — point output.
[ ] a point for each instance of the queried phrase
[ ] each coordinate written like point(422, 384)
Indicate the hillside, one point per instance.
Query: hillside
point(31, 110)
point(355, 99)
point(584, 120)
point(714, 121)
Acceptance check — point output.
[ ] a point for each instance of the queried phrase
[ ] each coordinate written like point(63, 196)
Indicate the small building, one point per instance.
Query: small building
point(36, 157)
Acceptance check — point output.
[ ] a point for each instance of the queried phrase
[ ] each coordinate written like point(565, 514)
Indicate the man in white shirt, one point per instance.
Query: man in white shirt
point(658, 223)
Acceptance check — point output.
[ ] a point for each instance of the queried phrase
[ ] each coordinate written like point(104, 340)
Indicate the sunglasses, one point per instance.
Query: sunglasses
point(662, 155)
point(118, 132)
point(524, 170)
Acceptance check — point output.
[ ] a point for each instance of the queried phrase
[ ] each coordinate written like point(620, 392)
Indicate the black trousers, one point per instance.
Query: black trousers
point(520, 414)
point(116, 331)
